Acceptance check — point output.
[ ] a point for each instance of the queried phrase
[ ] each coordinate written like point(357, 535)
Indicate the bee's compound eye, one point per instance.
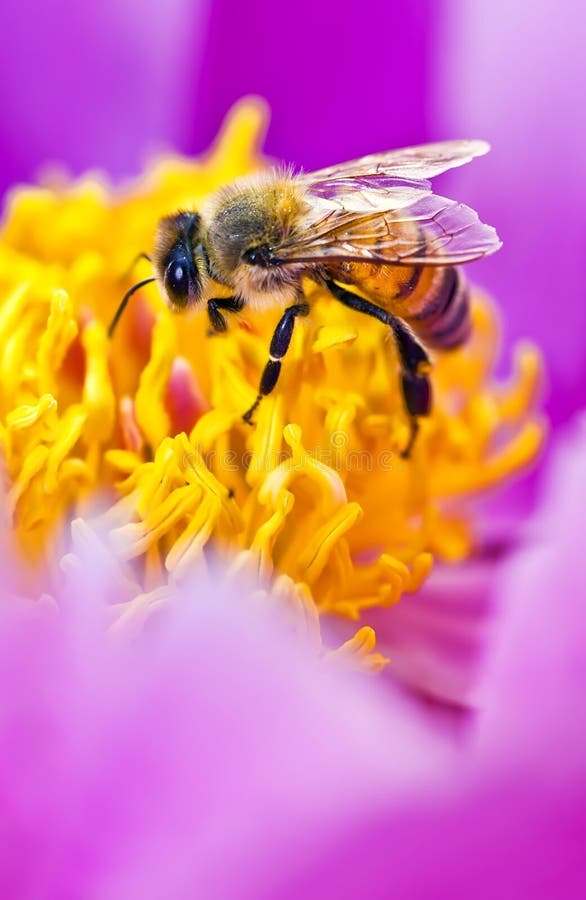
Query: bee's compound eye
point(177, 281)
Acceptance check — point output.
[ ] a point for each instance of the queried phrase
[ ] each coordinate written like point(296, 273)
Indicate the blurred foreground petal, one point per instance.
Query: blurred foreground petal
point(209, 756)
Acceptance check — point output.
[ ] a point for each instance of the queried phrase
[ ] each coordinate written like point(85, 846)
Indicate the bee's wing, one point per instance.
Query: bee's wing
point(431, 230)
point(381, 209)
point(413, 165)
point(385, 181)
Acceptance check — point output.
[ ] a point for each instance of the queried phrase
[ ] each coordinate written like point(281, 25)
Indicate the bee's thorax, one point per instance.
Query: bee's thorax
point(243, 222)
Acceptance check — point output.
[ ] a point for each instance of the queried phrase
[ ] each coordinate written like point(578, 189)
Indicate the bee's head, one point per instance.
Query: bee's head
point(179, 260)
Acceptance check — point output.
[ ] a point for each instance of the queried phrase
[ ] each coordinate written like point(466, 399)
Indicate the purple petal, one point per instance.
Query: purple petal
point(534, 687)
point(340, 84)
point(510, 73)
point(93, 84)
point(209, 757)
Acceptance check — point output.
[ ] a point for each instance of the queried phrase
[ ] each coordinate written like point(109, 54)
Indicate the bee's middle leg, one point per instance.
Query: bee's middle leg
point(415, 383)
point(280, 342)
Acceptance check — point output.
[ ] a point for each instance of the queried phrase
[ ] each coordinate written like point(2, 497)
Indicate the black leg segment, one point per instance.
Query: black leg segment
point(279, 345)
point(229, 304)
point(415, 384)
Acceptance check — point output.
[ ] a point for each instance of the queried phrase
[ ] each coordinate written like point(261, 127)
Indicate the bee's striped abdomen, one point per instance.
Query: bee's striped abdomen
point(432, 300)
point(442, 321)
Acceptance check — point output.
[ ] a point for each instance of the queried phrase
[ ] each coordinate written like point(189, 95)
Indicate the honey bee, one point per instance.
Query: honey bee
point(371, 232)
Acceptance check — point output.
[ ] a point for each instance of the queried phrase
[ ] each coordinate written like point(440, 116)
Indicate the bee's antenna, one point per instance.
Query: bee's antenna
point(124, 301)
point(136, 259)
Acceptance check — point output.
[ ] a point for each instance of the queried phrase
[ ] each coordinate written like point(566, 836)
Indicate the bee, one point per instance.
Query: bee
point(371, 232)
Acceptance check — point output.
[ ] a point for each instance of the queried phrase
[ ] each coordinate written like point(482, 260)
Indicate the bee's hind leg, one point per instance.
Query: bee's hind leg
point(279, 345)
point(416, 391)
point(415, 383)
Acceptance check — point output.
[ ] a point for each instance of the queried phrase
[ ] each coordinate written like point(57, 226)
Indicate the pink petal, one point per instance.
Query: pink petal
point(209, 757)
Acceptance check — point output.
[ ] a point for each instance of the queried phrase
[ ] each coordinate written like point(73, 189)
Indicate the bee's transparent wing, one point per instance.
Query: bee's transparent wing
point(431, 230)
point(386, 181)
point(381, 209)
point(414, 164)
point(366, 193)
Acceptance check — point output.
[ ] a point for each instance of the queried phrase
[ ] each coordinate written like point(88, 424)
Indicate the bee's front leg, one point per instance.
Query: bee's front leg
point(217, 320)
point(279, 345)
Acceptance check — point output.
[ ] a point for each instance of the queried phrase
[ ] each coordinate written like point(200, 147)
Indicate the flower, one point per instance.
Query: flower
point(316, 494)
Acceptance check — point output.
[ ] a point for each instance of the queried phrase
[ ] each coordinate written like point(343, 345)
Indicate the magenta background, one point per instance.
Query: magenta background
point(107, 84)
